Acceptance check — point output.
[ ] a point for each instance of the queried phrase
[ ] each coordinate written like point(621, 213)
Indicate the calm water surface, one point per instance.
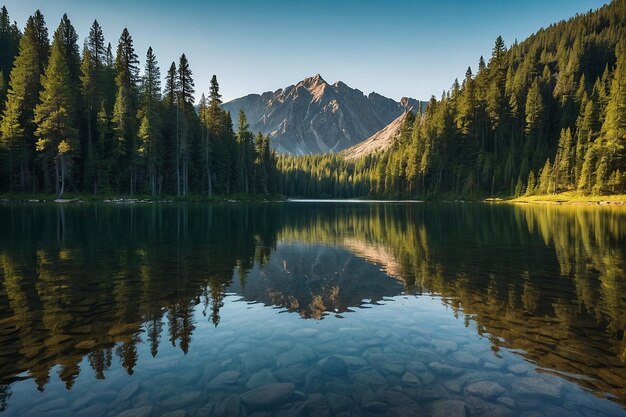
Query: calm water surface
point(285, 309)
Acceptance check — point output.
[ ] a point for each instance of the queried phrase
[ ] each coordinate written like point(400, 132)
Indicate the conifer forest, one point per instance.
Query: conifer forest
point(541, 116)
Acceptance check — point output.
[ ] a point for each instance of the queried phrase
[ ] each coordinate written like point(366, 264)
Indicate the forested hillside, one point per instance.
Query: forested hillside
point(542, 116)
point(88, 119)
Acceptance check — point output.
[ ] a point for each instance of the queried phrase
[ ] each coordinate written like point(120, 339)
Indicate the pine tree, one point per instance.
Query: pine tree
point(260, 166)
point(3, 91)
point(466, 116)
point(587, 131)
point(531, 184)
point(563, 162)
point(171, 85)
point(614, 127)
point(171, 131)
point(215, 100)
point(17, 127)
point(125, 110)
point(215, 121)
point(246, 144)
point(534, 110)
point(185, 83)
point(9, 46)
point(95, 44)
point(496, 98)
point(69, 45)
point(11, 134)
point(545, 184)
point(57, 136)
point(89, 82)
point(185, 101)
point(149, 119)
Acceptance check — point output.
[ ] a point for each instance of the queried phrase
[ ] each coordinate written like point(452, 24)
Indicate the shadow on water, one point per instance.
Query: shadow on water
point(97, 281)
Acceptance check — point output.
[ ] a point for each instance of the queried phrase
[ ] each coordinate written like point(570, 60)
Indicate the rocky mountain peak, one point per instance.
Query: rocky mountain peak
point(316, 117)
point(313, 81)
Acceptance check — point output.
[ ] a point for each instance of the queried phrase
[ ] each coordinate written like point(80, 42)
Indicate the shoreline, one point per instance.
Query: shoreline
point(81, 199)
point(556, 199)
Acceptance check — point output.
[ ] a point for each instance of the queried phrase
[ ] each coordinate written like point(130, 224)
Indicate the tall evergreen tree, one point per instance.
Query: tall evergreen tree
point(9, 46)
point(613, 135)
point(125, 110)
point(89, 83)
point(17, 127)
point(96, 46)
point(56, 132)
point(185, 101)
point(149, 118)
point(171, 85)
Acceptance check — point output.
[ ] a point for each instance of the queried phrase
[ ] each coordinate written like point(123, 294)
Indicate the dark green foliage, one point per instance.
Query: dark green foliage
point(17, 128)
point(9, 43)
point(53, 116)
point(91, 123)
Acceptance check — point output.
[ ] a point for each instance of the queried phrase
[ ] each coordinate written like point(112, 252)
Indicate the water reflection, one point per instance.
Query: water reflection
point(98, 281)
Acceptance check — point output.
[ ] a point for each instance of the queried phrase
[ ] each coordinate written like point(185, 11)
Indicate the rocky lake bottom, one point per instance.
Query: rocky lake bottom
point(407, 356)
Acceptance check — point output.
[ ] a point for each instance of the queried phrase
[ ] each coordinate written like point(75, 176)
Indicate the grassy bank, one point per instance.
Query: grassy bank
point(571, 198)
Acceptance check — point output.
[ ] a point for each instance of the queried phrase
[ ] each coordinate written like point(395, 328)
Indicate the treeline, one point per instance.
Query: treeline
point(92, 122)
point(544, 116)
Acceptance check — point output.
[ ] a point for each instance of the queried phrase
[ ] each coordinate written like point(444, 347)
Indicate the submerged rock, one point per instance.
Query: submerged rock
point(376, 407)
point(369, 378)
point(409, 378)
point(339, 402)
point(316, 406)
point(137, 412)
point(260, 378)
point(182, 400)
point(128, 391)
point(394, 397)
point(298, 354)
point(444, 346)
point(485, 389)
point(49, 406)
point(405, 411)
point(388, 363)
point(520, 368)
point(225, 378)
point(98, 409)
point(445, 370)
point(333, 365)
point(466, 358)
point(176, 413)
point(448, 408)
point(353, 362)
point(228, 407)
point(268, 395)
point(534, 386)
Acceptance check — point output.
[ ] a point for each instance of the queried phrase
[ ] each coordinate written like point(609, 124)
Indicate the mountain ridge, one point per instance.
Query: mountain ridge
point(378, 142)
point(314, 116)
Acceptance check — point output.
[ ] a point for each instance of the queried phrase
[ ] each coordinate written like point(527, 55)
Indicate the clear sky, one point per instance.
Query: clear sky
point(394, 47)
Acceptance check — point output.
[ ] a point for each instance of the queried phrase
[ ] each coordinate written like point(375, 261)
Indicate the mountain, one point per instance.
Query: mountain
point(378, 142)
point(316, 117)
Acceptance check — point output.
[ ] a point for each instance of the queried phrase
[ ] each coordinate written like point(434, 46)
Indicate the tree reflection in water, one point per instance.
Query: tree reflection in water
point(97, 280)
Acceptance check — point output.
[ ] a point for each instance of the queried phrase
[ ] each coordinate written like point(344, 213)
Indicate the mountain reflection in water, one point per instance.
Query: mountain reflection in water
point(96, 281)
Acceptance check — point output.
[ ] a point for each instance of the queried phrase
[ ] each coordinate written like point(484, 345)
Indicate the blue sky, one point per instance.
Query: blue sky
point(394, 47)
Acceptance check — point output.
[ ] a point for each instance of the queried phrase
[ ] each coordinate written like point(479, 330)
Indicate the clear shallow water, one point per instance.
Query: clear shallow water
point(305, 309)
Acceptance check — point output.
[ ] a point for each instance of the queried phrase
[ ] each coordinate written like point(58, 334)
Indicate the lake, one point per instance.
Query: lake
point(312, 308)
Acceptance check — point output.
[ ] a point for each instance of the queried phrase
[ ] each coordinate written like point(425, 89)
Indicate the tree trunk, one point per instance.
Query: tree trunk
point(11, 165)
